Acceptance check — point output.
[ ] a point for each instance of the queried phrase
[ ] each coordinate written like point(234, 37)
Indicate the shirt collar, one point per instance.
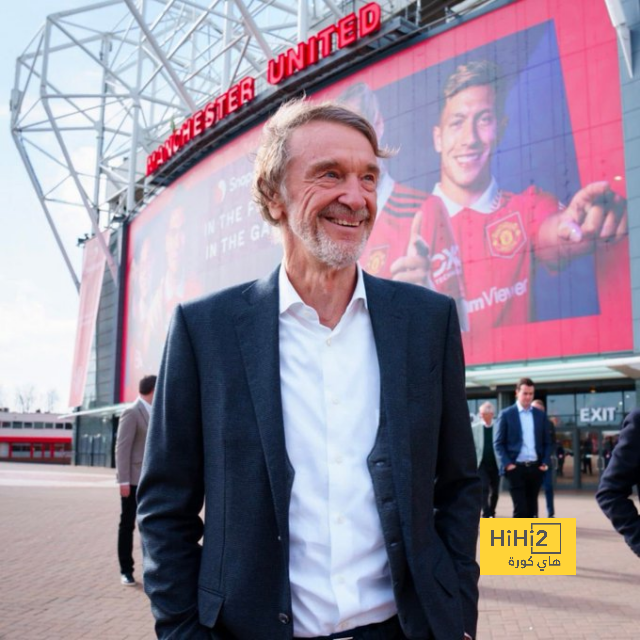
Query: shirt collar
point(145, 404)
point(521, 408)
point(289, 297)
point(488, 202)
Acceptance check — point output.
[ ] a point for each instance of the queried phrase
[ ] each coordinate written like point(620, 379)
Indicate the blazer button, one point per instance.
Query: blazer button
point(284, 618)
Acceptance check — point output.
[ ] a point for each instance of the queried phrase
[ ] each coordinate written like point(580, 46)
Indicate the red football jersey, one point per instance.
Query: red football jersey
point(389, 239)
point(496, 250)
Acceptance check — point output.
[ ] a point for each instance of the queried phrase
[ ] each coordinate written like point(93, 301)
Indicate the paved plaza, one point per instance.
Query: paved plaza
point(60, 580)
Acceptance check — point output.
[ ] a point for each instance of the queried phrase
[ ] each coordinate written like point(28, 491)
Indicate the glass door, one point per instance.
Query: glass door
point(564, 461)
point(589, 457)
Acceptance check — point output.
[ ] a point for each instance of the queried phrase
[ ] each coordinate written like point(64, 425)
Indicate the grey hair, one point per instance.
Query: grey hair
point(486, 405)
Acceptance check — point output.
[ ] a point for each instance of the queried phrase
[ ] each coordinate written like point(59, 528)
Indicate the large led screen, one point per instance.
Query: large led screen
point(508, 134)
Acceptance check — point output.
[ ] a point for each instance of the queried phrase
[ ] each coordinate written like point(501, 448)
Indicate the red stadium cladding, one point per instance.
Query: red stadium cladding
point(493, 186)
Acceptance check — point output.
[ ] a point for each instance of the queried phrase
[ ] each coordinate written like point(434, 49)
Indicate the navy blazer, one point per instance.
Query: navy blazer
point(507, 437)
point(217, 439)
point(615, 493)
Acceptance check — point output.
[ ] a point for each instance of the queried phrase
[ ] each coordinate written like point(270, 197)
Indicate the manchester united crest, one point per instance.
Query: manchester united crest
point(375, 261)
point(506, 236)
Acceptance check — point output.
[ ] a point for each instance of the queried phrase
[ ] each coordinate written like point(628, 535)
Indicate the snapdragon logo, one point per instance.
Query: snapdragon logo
point(221, 191)
point(243, 181)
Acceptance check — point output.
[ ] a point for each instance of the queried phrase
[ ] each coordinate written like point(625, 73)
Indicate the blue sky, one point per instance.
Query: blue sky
point(39, 302)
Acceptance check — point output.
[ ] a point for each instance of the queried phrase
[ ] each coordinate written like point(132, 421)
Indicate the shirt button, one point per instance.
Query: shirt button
point(336, 401)
point(284, 618)
point(338, 460)
point(339, 519)
point(328, 342)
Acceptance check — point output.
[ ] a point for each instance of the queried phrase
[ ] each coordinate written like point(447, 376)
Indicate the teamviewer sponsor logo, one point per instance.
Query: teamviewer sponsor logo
point(497, 296)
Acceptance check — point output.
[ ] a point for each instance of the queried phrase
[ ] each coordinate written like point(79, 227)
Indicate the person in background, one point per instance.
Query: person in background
point(615, 491)
point(523, 444)
point(487, 464)
point(547, 481)
point(333, 507)
point(130, 442)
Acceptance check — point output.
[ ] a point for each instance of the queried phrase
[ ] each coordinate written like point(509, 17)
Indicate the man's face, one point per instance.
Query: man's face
point(487, 416)
point(329, 205)
point(466, 137)
point(524, 395)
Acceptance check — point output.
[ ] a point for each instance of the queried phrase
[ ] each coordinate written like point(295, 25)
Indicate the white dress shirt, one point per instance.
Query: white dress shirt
point(528, 451)
point(330, 382)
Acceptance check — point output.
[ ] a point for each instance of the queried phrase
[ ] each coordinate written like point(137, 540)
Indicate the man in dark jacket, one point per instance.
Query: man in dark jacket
point(320, 416)
point(615, 493)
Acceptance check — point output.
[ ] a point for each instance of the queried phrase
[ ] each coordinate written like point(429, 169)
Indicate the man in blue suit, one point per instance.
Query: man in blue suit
point(523, 443)
point(319, 416)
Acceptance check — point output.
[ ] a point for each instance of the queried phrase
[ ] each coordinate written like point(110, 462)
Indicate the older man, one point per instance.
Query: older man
point(335, 463)
point(486, 456)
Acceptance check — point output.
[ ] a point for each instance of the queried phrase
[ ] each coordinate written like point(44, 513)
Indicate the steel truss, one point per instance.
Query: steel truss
point(100, 87)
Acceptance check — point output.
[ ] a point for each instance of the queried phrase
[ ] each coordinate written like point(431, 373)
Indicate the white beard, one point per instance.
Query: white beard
point(317, 241)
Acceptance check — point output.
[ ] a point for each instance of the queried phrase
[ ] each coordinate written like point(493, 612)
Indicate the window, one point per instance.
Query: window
point(562, 407)
point(20, 450)
point(29, 425)
point(62, 450)
point(17, 425)
point(629, 401)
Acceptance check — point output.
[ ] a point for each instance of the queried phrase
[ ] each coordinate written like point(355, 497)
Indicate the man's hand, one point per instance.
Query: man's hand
point(595, 214)
point(543, 467)
point(510, 466)
point(415, 267)
point(125, 490)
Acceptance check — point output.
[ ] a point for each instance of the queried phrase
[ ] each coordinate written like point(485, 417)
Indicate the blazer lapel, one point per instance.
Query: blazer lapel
point(391, 335)
point(257, 327)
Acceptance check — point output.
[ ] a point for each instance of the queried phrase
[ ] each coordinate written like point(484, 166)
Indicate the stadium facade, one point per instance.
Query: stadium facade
point(182, 92)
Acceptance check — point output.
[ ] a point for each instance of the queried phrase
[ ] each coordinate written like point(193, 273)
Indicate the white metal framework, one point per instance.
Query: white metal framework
point(101, 86)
